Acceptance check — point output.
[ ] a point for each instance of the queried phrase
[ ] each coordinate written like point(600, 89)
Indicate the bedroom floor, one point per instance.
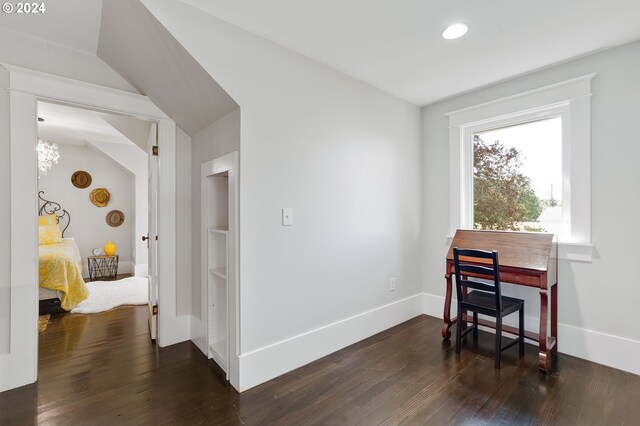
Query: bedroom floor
point(102, 369)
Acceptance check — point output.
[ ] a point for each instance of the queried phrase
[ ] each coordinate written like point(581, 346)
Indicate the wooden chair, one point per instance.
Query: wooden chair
point(487, 300)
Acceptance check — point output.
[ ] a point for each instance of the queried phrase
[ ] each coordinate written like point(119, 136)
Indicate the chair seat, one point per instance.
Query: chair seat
point(487, 301)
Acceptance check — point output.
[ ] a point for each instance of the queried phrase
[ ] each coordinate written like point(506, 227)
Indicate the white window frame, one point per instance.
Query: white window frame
point(570, 100)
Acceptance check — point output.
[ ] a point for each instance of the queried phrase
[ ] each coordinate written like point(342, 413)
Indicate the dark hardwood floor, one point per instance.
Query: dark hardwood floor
point(102, 370)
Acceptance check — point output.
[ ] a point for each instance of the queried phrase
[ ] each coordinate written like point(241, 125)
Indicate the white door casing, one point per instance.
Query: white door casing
point(152, 235)
point(18, 359)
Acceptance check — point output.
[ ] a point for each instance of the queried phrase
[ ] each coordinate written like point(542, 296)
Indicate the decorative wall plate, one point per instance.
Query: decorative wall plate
point(100, 197)
point(115, 218)
point(81, 179)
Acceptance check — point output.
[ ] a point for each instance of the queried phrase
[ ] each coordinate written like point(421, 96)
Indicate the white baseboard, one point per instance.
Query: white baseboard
point(141, 270)
point(261, 365)
point(433, 305)
point(602, 348)
point(125, 267)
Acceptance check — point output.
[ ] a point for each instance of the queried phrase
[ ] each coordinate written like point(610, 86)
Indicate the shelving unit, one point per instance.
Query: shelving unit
point(219, 256)
point(220, 272)
point(217, 265)
point(219, 229)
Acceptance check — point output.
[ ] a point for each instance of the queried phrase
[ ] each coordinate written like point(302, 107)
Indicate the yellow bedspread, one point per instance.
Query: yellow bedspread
point(61, 270)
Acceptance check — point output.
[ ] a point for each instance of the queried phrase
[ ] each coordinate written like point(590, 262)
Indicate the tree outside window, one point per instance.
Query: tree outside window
point(515, 180)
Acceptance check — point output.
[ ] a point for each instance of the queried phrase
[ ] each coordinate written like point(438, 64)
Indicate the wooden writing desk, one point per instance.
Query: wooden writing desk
point(529, 259)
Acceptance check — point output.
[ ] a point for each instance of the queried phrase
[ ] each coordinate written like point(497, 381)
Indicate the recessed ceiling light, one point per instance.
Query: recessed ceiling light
point(455, 31)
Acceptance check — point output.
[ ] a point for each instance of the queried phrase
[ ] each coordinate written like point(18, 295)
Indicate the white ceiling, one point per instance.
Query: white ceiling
point(396, 45)
point(73, 23)
point(393, 45)
point(69, 125)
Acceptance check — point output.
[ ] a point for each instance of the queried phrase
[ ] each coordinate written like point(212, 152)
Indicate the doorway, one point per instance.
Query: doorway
point(93, 188)
point(18, 358)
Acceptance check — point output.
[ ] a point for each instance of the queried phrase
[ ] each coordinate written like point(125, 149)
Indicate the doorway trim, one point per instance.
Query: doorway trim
point(19, 362)
point(226, 163)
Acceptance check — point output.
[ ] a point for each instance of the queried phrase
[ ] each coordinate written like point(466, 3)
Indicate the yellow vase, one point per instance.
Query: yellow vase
point(110, 248)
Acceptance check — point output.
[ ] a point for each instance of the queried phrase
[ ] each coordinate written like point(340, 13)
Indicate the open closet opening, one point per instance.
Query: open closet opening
point(219, 260)
point(217, 236)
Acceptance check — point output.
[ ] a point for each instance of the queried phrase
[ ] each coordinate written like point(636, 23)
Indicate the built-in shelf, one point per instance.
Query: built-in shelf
point(219, 272)
point(219, 230)
point(215, 213)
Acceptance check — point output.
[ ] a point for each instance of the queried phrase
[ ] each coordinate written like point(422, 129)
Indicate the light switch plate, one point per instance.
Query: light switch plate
point(287, 216)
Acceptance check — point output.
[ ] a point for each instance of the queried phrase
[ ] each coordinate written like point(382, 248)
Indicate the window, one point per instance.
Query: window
point(523, 163)
point(517, 177)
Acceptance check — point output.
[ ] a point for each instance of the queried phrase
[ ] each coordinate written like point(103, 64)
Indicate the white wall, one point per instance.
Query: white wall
point(346, 158)
point(183, 223)
point(88, 222)
point(135, 161)
point(596, 299)
point(216, 140)
point(45, 56)
point(5, 211)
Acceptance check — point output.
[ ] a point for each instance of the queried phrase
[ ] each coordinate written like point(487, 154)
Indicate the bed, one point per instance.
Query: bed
point(60, 263)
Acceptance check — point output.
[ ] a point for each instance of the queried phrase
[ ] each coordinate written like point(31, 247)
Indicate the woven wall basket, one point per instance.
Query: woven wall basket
point(100, 197)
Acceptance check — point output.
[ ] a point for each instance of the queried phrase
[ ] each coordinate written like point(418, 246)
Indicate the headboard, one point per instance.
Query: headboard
point(50, 207)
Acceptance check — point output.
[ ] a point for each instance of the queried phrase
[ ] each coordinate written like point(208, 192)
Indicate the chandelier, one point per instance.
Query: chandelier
point(48, 155)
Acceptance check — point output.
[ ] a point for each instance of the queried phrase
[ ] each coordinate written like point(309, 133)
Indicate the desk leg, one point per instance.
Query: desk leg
point(542, 341)
point(554, 317)
point(446, 332)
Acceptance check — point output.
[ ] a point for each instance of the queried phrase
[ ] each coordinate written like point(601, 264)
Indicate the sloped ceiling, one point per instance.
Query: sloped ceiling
point(72, 23)
point(140, 49)
point(65, 124)
point(137, 131)
point(61, 41)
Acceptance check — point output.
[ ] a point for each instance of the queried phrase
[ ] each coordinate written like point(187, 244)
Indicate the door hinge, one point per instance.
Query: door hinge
point(155, 310)
point(154, 151)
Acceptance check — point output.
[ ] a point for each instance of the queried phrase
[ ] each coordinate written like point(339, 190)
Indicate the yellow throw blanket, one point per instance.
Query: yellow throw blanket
point(61, 270)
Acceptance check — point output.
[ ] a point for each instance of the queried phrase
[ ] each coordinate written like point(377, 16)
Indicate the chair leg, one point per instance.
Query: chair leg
point(498, 340)
point(475, 328)
point(459, 329)
point(521, 332)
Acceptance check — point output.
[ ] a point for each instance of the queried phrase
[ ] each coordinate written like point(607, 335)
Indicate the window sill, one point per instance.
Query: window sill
point(573, 252)
point(576, 252)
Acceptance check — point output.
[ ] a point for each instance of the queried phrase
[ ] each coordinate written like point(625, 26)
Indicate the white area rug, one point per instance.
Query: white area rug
point(105, 295)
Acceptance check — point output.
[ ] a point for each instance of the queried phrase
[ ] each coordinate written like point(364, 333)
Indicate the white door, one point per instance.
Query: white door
point(152, 236)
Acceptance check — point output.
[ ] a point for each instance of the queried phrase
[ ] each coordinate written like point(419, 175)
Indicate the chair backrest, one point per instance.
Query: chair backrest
point(475, 265)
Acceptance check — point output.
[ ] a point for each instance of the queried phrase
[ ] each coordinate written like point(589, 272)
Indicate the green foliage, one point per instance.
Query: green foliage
point(503, 196)
point(534, 228)
point(549, 203)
